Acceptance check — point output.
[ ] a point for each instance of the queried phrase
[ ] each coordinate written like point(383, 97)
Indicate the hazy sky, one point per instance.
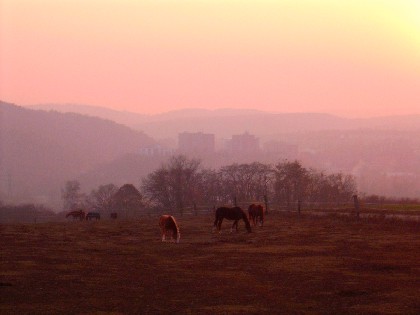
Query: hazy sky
point(347, 57)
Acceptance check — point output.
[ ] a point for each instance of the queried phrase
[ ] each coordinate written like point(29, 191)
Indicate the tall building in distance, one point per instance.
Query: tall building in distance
point(196, 143)
point(244, 143)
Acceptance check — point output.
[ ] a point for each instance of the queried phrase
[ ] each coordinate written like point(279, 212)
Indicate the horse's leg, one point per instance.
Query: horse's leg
point(163, 232)
point(215, 224)
point(219, 225)
point(235, 223)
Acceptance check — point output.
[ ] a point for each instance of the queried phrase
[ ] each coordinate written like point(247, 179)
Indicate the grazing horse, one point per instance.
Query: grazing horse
point(76, 214)
point(234, 213)
point(167, 223)
point(93, 215)
point(256, 214)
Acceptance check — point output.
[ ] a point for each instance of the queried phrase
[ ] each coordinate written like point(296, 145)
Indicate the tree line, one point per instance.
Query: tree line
point(183, 183)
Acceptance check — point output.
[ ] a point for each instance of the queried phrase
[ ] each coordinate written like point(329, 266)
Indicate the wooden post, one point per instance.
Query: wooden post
point(266, 204)
point(235, 202)
point(195, 208)
point(356, 205)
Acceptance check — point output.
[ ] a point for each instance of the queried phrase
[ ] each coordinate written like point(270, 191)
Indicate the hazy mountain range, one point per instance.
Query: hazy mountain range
point(41, 149)
point(226, 122)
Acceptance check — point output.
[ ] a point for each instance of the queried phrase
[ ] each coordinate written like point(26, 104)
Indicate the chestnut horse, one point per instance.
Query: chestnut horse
point(256, 214)
point(234, 213)
point(167, 223)
point(76, 214)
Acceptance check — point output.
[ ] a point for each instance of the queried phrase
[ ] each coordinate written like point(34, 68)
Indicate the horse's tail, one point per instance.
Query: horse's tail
point(177, 234)
point(247, 225)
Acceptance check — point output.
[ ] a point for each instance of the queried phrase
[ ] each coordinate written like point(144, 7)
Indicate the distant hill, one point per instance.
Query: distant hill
point(258, 123)
point(226, 122)
point(40, 150)
point(122, 117)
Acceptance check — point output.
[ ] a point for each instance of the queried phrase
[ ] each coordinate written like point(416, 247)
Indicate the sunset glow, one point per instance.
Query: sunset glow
point(353, 58)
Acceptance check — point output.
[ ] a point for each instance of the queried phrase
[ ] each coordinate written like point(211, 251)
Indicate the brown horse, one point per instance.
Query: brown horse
point(168, 223)
point(76, 214)
point(93, 215)
point(234, 213)
point(256, 214)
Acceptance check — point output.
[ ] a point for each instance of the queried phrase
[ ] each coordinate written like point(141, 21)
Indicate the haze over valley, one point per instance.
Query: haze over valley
point(42, 149)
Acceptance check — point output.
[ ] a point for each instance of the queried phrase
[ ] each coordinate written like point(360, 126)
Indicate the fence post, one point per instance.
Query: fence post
point(356, 205)
point(195, 208)
point(266, 204)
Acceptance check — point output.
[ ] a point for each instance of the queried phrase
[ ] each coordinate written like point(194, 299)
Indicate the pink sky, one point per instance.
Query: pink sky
point(352, 58)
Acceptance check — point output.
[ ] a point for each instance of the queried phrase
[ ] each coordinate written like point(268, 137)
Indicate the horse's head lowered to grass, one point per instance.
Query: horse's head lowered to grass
point(235, 214)
point(167, 223)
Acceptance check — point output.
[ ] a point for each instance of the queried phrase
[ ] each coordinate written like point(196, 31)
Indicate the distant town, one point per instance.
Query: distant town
point(199, 144)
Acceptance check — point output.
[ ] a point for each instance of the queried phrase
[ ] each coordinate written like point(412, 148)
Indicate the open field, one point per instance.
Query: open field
point(293, 265)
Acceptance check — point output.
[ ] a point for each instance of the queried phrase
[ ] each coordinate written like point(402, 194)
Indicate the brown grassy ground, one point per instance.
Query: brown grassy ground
point(294, 265)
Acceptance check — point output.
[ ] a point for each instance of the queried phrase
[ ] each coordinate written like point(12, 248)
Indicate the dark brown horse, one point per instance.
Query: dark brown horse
point(167, 223)
point(76, 214)
point(234, 213)
point(256, 214)
point(93, 215)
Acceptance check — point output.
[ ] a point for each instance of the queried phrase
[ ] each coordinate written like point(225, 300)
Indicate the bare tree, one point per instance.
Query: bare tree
point(291, 182)
point(209, 188)
point(174, 185)
point(331, 188)
point(102, 199)
point(246, 182)
point(71, 195)
point(157, 188)
point(128, 201)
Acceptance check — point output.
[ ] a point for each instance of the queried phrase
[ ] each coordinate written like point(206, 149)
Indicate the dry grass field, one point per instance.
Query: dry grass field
point(293, 265)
